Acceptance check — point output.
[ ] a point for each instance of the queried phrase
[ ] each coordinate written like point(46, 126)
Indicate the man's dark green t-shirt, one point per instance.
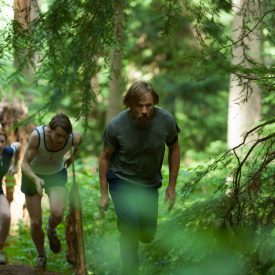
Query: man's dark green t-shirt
point(139, 151)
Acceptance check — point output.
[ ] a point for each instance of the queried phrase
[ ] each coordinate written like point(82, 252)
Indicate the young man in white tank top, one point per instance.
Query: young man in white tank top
point(44, 167)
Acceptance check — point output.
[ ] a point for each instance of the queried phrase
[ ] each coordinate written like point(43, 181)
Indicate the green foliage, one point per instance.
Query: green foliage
point(197, 237)
point(20, 249)
point(69, 37)
point(168, 54)
point(184, 49)
point(219, 228)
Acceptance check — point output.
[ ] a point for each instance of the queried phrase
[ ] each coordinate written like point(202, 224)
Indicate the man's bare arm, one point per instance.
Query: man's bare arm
point(104, 160)
point(14, 165)
point(76, 142)
point(174, 163)
point(30, 153)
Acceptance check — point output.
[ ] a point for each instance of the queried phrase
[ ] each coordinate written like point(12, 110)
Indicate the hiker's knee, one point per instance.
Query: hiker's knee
point(57, 215)
point(147, 236)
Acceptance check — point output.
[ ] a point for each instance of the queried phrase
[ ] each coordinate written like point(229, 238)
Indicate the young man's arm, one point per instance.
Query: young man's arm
point(76, 142)
point(174, 163)
point(14, 165)
point(30, 153)
point(104, 160)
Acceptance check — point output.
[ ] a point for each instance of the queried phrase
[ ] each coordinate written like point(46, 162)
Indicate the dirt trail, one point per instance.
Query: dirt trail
point(23, 270)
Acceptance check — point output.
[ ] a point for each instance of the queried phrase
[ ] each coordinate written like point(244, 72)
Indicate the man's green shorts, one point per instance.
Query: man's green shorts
point(59, 179)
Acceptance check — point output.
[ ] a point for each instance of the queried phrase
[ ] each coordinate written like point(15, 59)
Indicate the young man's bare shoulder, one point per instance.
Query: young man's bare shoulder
point(76, 138)
point(33, 139)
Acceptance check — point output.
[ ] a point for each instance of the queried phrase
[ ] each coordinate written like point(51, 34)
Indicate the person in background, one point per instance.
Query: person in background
point(9, 156)
point(44, 167)
point(130, 168)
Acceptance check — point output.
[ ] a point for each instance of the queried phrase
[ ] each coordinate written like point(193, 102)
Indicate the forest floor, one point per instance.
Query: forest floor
point(23, 270)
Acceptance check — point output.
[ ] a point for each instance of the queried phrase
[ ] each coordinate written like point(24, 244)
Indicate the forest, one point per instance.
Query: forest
point(212, 64)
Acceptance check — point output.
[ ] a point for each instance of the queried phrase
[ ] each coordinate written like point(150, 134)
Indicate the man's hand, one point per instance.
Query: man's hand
point(170, 196)
point(13, 170)
point(68, 162)
point(103, 205)
point(39, 183)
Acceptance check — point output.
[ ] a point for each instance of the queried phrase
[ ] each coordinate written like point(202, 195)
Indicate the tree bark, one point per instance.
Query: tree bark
point(14, 111)
point(114, 100)
point(244, 109)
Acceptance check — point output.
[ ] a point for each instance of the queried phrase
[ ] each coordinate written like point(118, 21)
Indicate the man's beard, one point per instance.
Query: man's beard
point(144, 121)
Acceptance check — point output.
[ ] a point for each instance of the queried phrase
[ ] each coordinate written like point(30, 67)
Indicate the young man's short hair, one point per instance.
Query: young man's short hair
point(62, 121)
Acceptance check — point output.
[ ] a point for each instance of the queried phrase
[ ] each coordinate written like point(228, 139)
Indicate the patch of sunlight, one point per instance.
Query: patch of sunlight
point(225, 18)
point(6, 13)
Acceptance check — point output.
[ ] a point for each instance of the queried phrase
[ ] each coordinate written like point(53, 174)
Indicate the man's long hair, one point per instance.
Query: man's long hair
point(137, 91)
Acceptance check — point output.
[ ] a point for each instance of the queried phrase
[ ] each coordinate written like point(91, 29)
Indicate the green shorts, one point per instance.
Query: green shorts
point(59, 179)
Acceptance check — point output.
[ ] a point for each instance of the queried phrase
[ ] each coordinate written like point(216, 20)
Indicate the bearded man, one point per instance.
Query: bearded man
point(130, 168)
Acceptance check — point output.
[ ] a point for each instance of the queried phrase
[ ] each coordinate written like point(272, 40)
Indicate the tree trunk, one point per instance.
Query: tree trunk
point(114, 100)
point(15, 111)
point(244, 109)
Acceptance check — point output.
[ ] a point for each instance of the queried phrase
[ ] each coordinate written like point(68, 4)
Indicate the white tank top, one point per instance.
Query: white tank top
point(48, 162)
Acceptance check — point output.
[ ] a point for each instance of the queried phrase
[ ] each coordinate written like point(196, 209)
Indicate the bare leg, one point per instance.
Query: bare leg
point(5, 218)
point(33, 204)
point(10, 183)
point(57, 197)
